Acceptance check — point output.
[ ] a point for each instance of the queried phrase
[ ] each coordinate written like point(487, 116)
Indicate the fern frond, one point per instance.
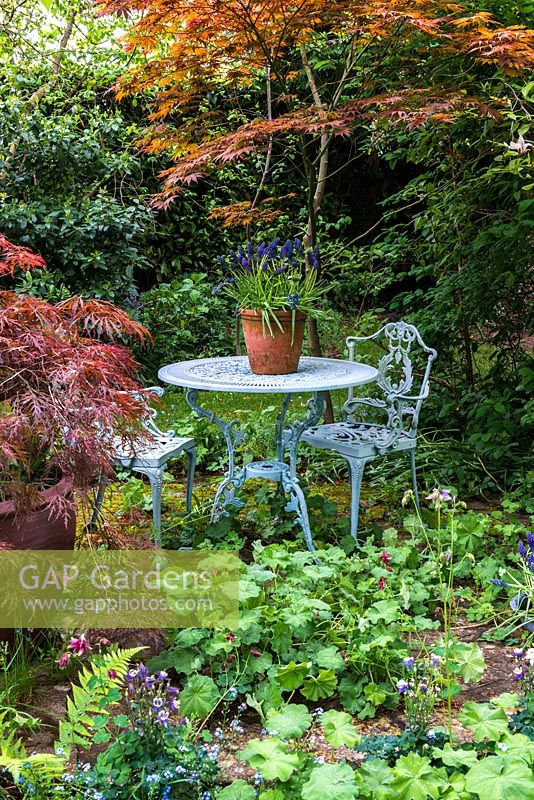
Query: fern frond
point(90, 697)
point(53, 766)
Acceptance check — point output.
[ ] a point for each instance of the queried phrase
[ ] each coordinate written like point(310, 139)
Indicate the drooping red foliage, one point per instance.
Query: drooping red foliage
point(66, 383)
point(14, 257)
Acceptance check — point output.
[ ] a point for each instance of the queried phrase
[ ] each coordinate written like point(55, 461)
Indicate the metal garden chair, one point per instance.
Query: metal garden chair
point(151, 459)
point(400, 397)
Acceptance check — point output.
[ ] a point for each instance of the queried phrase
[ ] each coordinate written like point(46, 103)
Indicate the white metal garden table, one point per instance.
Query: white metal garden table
point(233, 374)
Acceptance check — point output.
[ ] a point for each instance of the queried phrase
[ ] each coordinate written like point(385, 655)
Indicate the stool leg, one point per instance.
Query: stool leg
point(191, 456)
point(155, 476)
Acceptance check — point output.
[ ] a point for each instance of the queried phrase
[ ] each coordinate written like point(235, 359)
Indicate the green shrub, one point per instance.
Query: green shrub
point(186, 321)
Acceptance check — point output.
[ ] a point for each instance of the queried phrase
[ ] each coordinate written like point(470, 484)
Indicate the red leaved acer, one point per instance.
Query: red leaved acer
point(66, 382)
point(192, 47)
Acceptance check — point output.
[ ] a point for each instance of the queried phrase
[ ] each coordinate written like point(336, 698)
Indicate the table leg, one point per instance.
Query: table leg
point(280, 423)
point(287, 438)
point(316, 406)
point(234, 476)
point(289, 441)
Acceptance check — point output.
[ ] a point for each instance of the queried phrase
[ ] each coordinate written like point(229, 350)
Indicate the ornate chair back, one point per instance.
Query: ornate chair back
point(403, 376)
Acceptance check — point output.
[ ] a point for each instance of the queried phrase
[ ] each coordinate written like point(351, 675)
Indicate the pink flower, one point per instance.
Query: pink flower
point(385, 557)
point(112, 674)
point(63, 660)
point(382, 583)
point(80, 645)
point(255, 653)
point(105, 643)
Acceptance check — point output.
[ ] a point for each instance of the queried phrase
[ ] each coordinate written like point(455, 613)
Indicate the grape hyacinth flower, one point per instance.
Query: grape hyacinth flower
point(271, 277)
point(293, 301)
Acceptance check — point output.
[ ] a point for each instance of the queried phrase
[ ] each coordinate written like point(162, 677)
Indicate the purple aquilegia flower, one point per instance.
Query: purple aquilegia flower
point(409, 662)
point(163, 716)
point(498, 582)
point(163, 676)
point(435, 660)
point(439, 496)
point(402, 686)
point(517, 652)
point(423, 687)
point(157, 702)
point(142, 672)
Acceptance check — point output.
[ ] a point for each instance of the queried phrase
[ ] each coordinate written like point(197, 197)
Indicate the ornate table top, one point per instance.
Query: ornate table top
point(233, 374)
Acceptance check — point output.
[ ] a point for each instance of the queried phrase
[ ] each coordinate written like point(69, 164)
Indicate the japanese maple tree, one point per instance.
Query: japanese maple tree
point(329, 66)
point(66, 382)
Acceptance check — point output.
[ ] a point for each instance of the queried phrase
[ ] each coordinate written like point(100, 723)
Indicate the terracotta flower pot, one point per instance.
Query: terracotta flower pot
point(37, 530)
point(276, 354)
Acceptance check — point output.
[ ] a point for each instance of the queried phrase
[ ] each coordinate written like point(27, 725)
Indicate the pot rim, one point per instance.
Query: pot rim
point(257, 314)
point(63, 487)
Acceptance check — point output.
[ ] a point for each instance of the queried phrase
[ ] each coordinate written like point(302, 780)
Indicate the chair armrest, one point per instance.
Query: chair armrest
point(410, 398)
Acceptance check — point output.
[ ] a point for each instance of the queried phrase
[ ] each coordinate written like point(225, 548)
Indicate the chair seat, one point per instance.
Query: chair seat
point(357, 440)
point(154, 454)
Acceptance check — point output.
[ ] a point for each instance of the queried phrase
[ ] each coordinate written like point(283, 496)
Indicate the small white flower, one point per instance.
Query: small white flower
point(529, 656)
point(520, 146)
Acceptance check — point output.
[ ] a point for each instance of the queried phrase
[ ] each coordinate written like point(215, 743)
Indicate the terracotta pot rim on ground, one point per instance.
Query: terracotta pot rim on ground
point(63, 487)
point(36, 529)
